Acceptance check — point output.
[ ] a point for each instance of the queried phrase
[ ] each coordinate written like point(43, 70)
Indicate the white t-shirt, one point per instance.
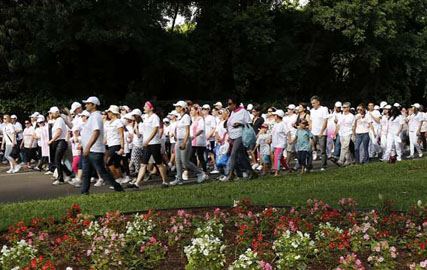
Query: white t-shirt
point(220, 129)
point(241, 116)
point(28, 137)
point(318, 117)
point(77, 123)
point(149, 124)
point(362, 124)
point(290, 121)
point(345, 123)
point(384, 125)
point(210, 125)
point(38, 134)
point(424, 127)
point(59, 124)
point(138, 141)
point(181, 126)
point(279, 135)
point(375, 114)
point(197, 126)
point(415, 121)
point(94, 123)
point(19, 129)
point(8, 133)
point(394, 124)
point(112, 132)
point(172, 129)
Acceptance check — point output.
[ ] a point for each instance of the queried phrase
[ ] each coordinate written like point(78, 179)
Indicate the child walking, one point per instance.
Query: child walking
point(264, 148)
point(305, 144)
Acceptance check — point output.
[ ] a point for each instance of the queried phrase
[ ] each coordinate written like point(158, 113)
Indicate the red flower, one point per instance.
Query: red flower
point(422, 246)
point(33, 263)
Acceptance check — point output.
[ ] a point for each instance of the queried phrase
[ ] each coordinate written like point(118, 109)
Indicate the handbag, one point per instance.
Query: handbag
point(248, 136)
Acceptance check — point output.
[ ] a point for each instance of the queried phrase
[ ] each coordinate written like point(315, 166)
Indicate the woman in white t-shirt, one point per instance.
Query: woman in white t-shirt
point(172, 138)
point(394, 141)
point(151, 145)
point(415, 121)
point(362, 126)
point(41, 134)
point(58, 145)
point(384, 128)
point(115, 141)
point(8, 143)
point(137, 140)
point(279, 140)
point(29, 144)
point(198, 136)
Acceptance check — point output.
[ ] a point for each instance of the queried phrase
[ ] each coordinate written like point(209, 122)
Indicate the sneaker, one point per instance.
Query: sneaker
point(57, 183)
point(245, 175)
point(76, 182)
point(314, 155)
point(48, 173)
point(147, 177)
point(99, 183)
point(176, 182)
point(399, 159)
point(67, 179)
point(420, 155)
point(29, 167)
point(134, 185)
point(111, 187)
point(322, 169)
point(223, 178)
point(10, 170)
point(259, 168)
point(185, 176)
point(173, 168)
point(202, 177)
point(411, 157)
point(255, 166)
point(215, 171)
point(119, 180)
point(17, 168)
point(93, 180)
point(165, 185)
point(36, 169)
point(126, 180)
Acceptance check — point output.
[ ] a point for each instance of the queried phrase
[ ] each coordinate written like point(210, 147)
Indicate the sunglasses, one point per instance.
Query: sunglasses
point(270, 111)
point(230, 103)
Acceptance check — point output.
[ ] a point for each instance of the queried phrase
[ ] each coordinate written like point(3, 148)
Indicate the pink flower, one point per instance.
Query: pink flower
point(366, 237)
point(423, 264)
point(88, 252)
point(358, 262)
point(265, 265)
point(153, 240)
point(181, 213)
point(380, 259)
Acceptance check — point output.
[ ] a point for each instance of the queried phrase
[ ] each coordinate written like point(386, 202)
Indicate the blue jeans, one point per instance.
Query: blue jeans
point(362, 138)
point(95, 161)
point(337, 150)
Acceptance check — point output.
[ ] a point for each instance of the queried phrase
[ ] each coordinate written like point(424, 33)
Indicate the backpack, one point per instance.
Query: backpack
point(248, 136)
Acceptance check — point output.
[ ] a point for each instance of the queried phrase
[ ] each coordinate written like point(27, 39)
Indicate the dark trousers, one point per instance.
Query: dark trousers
point(337, 150)
point(200, 152)
point(238, 156)
point(95, 162)
point(321, 141)
point(58, 148)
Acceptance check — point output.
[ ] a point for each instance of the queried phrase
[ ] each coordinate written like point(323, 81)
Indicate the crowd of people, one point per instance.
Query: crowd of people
point(124, 147)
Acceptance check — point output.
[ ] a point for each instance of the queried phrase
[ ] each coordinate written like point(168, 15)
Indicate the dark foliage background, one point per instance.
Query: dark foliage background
point(269, 51)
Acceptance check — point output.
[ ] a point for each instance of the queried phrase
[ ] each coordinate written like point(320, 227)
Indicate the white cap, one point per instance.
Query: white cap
point(279, 113)
point(14, 116)
point(85, 113)
point(114, 109)
point(338, 104)
point(75, 106)
point(387, 107)
point(416, 105)
point(376, 107)
point(181, 104)
point(175, 113)
point(93, 100)
point(383, 104)
point(129, 116)
point(166, 120)
point(53, 110)
point(396, 104)
point(34, 115)
point(206, 106)
point(125, 107)
point(242, 105)
point(136, 112)
point(291, 107)
point(40, 118)
point(218, 104)
point(249, 107)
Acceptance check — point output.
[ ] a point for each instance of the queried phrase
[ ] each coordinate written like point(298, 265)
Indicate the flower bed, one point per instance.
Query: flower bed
point(242, 237)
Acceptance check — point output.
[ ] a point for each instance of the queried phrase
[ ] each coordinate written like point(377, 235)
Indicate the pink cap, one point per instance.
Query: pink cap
point(148, 103)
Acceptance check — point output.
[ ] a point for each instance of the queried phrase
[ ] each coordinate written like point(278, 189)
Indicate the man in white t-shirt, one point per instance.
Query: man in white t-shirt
point(318, 123)
point(210, 126)
point(334, 119)
point(19, 136)
point(344, 130)
point(92, 137)
point(375, 118)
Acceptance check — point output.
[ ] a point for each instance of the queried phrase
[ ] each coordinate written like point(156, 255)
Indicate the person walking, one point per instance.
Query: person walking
point(93, 147)
point(362, 127)
point(344, 130)
point(318, 123)
point(415, 121)
point(394, 141)
point(8, 144)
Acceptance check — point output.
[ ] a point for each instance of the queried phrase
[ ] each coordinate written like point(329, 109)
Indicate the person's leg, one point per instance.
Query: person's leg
point(389, 147)
point(97, 161)
point(76, 163)
point(87, 170)
point(179, 160)
point(357, 148)
point(232, 160)
point(366, 140)
point(398, 147)
point(277, 156)
point(200, 155)
point(146, 154)
point(243, 157)
point(310, 158)
point(412, 142)
point(322, 144)
point(157, 155)
point(7, 155)
point(345, 149)
point(337, 150)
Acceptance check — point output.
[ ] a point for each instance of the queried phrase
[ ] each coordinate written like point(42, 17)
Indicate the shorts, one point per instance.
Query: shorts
point(266, 159)
point(113, 159)
point(303, 157)
point(152, 150)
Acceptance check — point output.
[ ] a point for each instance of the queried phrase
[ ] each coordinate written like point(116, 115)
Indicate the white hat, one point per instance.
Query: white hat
point(93, 100)
point(125, 107)
point(174, 113)
point(129, 116)
point(114, 109)
point(396, 104)
point(14, 116)
point(280, 113)
point(218, 104)
point(338, 104)
point(376, 107)
point(181, 104)
point(166, 120)
point(416, 105)
point(206, 106)
point(249, 107)
point(34, 115)
point(85, 113)
point(40, 118)
point(136, 112)
point(75, 106)
point(291, 107)
point(383, 104)
point(242, 105)
point(53, 110)
point(387, 107)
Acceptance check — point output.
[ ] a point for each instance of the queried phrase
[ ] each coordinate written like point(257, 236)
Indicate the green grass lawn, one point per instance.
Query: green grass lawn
point(405, 182)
